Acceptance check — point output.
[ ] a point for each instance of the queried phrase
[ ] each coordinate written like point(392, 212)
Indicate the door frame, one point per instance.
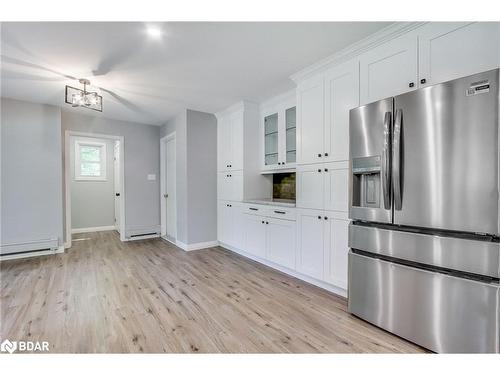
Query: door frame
point(163, 186)
point(67, 178)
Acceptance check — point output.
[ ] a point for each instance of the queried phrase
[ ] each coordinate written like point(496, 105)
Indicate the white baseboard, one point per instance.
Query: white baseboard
point(192, 246)
point(321, 284)
point(92, 229)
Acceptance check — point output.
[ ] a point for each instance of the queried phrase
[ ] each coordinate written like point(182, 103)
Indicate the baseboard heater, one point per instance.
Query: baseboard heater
point(29, 247)
point(144, 234)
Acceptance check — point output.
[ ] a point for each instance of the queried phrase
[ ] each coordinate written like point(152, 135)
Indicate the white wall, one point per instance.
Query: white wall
point(196, 164)
point(142, 157)
point(93, 202)
point(31, 172)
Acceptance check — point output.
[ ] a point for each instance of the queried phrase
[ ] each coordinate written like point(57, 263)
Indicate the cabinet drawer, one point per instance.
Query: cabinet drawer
point(255, 209)
point(282, 213)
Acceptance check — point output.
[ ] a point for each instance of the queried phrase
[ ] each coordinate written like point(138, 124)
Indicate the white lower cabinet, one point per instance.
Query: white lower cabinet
point(281, 242)
point(255, 235)
point(230, 224)
point(322, 246)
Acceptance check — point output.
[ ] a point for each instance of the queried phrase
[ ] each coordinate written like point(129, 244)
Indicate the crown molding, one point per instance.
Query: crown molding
point(286, 96)
point(235, 108)
point(382, 36)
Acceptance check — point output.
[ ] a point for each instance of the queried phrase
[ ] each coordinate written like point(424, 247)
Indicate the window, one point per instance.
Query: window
point(90, 161)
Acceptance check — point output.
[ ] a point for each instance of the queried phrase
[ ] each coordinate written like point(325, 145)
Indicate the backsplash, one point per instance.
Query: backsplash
point(284, 186)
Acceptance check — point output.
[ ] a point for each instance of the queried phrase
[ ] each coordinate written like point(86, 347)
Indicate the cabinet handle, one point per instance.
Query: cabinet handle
point(319, 217)
point(319, 170)
point(326, 169)
point(253, 209)
point(411, 84)
point(262, 222)
point(283, 163)
point(280, 212)
point(319, 155)
point(279, 163)
point(326, 218)
point(423, 80)
point(267, 222)
point(326, 153)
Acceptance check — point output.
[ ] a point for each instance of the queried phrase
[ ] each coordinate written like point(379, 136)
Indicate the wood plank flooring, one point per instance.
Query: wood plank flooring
point(148, 296)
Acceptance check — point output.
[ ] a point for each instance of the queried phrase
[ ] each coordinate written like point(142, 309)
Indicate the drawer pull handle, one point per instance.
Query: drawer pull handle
point(253, 209)
point(280, 212)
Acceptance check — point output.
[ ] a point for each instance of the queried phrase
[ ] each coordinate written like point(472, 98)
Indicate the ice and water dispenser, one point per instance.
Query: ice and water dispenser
point(366, 186)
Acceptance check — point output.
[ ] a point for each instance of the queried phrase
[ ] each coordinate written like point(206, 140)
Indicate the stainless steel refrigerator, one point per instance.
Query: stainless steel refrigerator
point(424, 258)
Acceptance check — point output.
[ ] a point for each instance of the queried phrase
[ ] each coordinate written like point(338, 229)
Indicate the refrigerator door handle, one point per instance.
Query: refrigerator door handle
point(386, 161)
point(396, 160)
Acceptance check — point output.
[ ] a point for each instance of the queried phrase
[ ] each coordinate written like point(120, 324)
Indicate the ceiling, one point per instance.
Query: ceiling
point(205, 66)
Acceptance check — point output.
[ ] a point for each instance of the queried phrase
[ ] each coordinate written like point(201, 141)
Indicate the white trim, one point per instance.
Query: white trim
point(78, 143)
point(67, 178)
point(321, 284)
point(384, 35)
point(28, 246)
point(163, 187)
point(93, 229)
point(32, 254)
point(194, 246)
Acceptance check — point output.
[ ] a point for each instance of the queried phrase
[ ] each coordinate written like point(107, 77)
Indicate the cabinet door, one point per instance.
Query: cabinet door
point(236, 185)
point(310, 186)
point(224, 222)
point(389, 69)
point(290, 136)
point(341, 95)
point(281, 242)
point(336, 186)
point(223, 186)
point(449, 50)
point(237, 141)
point(310, 120)
point(311, 236)
point(238, 225)
point(336, 252)
point(255, 235)
point(271, 140)
point(223, 143)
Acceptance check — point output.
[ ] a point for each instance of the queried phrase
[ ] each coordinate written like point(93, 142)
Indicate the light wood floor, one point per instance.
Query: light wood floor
point(149, 296)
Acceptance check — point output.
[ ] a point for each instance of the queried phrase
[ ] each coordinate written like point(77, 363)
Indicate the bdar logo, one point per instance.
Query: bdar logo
point(8, 346)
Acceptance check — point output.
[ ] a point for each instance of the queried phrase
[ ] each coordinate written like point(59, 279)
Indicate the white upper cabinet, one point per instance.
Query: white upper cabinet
point(310, 120)
point(310, 185)
point(336, 179)
point(449, 50)
point(278, 124)
point(341, 95)
point(389, 69)
point(237, 141)
point(223, 144)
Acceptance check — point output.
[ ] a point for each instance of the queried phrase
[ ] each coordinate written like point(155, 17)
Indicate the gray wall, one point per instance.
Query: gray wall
point(31, 172)
point(196, 153)
point(142, 157)
point(93, 202)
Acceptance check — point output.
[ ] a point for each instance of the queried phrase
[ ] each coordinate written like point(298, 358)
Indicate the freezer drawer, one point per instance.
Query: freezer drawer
point(443, 313)
point(472, 256)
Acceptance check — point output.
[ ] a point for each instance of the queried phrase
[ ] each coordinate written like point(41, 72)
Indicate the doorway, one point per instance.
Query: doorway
point(94, 184)
point(168, 188)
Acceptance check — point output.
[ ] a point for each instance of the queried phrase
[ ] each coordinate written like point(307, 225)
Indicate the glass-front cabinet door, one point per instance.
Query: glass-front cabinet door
point(271, 152)
point(291, 137)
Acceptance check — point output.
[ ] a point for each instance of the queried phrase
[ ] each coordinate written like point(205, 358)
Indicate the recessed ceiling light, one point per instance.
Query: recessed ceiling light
point(154, 31)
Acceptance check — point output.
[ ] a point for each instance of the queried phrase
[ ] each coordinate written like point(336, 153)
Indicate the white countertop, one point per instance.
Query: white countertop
point(272, 202)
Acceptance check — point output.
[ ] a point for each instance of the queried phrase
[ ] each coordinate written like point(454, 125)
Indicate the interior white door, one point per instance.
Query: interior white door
point(255, 235)
point(341, 95)
point(336, 252)
point(449, 50)
point(311, 237)
point(281, 242)
point(336, 177)
point(310, 121)
point(170, 183)
point(310, 186)
point(389, 69)
point(116, 181)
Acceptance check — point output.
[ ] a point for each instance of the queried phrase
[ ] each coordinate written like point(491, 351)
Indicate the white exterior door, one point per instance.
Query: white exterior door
point(341, 95)
point(310, 186)
point(281, 242)
point(389, 69)
point(310, 121)
point(336, 252)
point(255, 235)
point(449, 50)
point(311, 241)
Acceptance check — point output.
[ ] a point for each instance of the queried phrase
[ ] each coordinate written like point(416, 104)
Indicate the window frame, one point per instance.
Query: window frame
point(102, 160)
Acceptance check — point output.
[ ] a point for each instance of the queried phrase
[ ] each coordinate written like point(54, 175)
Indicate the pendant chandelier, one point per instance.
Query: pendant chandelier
point(83, 98)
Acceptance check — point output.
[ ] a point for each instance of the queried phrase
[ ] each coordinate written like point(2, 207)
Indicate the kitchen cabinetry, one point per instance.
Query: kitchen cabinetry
point(230, 185)
point(255, 235)
point(230, 142)
point(322, 246)
point(279, 132)
point(389, 69)
point(449, 50)
point(323, 113)
point(323, 186)
point(230, 224)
